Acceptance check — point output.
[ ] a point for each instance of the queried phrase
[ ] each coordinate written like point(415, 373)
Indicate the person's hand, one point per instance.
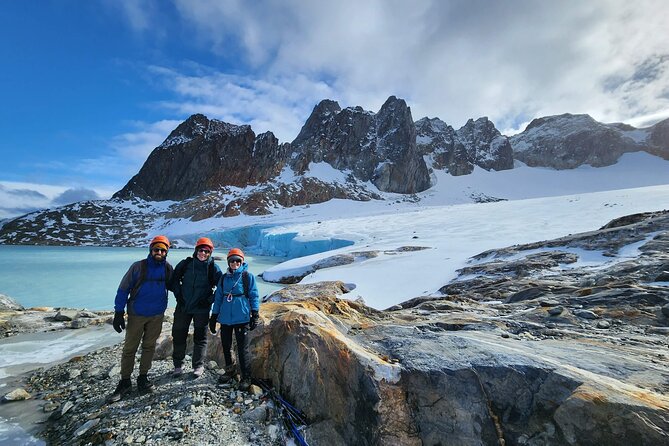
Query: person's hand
point(253, 323)
point(119, 322)
point(212, 323)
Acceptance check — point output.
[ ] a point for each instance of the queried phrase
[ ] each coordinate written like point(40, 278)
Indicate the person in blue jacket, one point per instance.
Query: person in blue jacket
point(143, 290)
point(236, 309)
point(193, 284)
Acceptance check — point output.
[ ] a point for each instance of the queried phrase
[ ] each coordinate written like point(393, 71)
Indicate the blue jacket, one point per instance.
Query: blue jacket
point(151, 297)
point(230, 303)
point(193, 289)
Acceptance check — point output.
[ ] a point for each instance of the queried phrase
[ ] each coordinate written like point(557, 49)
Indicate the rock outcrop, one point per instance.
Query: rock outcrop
point(380, 147)
point(477, 143)
point(568, 141)
point(16, 320)
point(203, 155)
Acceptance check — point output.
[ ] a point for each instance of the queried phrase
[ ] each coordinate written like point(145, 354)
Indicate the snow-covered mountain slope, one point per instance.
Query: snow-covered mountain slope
point(395, 257)
point(132, 222)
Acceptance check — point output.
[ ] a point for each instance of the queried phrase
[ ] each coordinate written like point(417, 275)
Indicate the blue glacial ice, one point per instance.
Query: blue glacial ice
point(260, 241)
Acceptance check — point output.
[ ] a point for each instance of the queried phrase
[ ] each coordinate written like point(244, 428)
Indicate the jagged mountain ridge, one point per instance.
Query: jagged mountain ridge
point(477, 143)
point(203, 156)
point(568, 141)
point(215, 169)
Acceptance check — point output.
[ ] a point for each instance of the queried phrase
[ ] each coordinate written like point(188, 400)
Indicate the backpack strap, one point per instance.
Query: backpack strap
point(211, 274)
point(181, 269)
point(141, 278)
point(143, 265)
point(246, 283)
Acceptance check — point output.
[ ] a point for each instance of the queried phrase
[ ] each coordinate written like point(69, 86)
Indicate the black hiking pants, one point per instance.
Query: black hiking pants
point(240, 336)
point(180, 335)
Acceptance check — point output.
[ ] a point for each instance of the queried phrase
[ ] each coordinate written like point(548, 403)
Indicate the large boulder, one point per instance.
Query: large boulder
point(422, 375)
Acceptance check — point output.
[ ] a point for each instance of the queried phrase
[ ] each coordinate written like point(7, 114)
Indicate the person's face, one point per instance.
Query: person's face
point(234, 263)
point(203, 253)
point(158, 254)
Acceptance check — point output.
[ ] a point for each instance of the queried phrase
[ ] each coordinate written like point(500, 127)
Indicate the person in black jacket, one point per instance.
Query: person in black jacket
point(193, 285)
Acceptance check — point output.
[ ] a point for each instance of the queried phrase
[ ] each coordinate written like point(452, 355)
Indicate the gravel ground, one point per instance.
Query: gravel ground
point(184, 410)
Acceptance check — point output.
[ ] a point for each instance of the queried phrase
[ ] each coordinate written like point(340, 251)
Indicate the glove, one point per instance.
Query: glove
point(119, 322)
point(253, 323)
point(212, 323)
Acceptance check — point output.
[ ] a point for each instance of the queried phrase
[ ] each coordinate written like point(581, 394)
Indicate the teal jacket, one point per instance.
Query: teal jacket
point(230, 303)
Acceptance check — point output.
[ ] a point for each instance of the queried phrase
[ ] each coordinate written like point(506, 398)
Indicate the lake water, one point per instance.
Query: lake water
point(75, 277)
point(86, 277)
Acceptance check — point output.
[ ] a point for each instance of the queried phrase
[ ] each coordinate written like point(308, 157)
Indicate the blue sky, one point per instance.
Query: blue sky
point(89, 88)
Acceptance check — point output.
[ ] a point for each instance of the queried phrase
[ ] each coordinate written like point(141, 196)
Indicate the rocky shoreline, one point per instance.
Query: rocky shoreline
point(182, 410)
point(69, 400)
point(15, 319)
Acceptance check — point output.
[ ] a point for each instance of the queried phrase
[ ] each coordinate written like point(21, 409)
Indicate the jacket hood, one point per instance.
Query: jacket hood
point(240, 270)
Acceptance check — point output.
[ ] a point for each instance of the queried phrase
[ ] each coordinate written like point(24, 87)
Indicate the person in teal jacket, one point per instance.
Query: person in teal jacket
point(193, 284)
point(236, 309)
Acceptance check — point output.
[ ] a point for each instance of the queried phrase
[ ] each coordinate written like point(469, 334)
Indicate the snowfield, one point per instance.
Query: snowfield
point(541, 204)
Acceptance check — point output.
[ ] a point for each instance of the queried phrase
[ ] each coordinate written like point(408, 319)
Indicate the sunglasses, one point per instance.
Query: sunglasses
point(158, 250)
point(206, 251)
point(234, 261)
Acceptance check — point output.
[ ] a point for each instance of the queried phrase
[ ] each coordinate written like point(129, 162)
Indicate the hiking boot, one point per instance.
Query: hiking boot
point(229, 372)
point(124, 387)
point(177, 372)
point(224, 379)
point(143, 384)
point(244, 384)
point(198, 371)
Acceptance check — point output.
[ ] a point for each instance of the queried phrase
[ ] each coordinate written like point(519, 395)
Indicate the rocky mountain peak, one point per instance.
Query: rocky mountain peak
point(380, 148)
point(205, 155)
point(566, 122)
point(477, 143)
point(659, 136)
point(198, 126)
point(567, 141)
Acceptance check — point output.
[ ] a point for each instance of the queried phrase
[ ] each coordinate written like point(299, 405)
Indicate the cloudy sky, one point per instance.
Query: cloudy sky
point(89, 88)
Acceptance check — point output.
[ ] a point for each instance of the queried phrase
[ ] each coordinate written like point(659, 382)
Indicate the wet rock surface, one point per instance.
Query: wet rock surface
point(15, 320)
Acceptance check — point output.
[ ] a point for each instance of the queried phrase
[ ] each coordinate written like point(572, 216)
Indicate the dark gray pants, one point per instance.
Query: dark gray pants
point(180, 335)
point(240, 337)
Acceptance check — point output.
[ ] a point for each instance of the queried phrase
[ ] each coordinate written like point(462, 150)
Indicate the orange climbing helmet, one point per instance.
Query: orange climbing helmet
point(160, 239)
point(236, 252)
point(204, 241)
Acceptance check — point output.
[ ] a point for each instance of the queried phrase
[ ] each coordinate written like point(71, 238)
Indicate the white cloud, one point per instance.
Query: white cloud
point(511, 61)
point(280, 105)
point(137, 145)
point(17, 198)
